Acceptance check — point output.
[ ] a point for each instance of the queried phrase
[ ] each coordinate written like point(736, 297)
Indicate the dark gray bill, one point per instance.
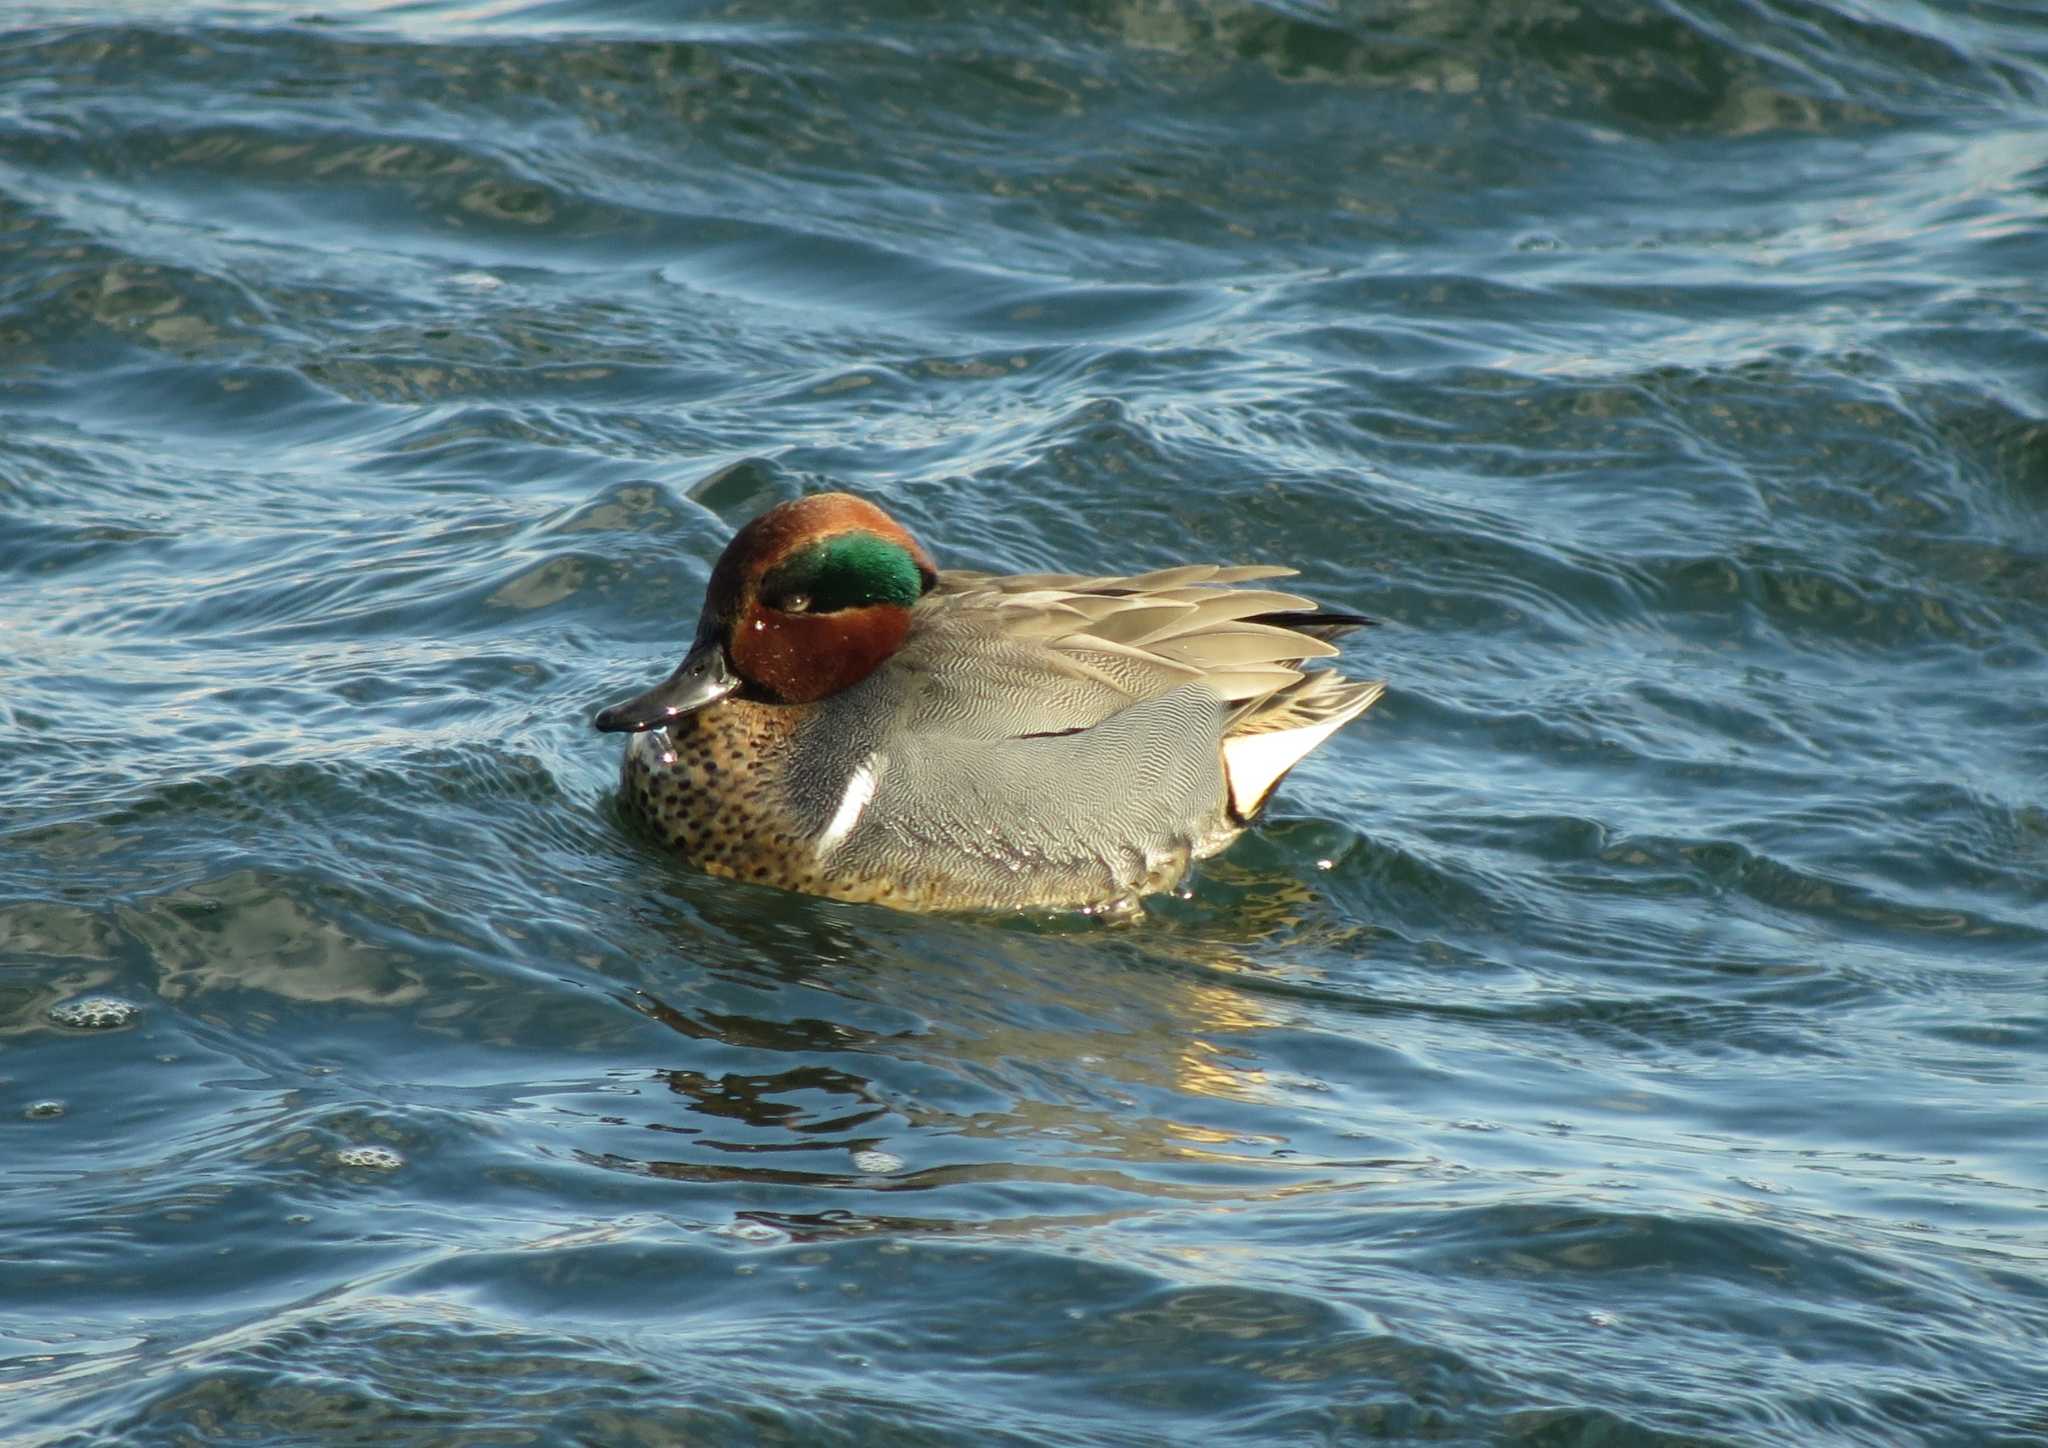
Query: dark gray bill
point(702, 678)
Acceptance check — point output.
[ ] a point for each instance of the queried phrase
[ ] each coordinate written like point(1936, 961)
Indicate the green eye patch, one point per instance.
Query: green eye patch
point(851, 570)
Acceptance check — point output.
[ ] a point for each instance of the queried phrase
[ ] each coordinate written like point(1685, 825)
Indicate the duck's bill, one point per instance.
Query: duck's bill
point(703, 678)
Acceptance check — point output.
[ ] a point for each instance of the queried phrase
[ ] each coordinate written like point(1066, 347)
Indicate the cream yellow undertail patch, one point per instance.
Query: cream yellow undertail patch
point(1256, 759)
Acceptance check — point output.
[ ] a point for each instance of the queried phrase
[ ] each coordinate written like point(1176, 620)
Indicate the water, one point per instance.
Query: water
point(1632, 1032)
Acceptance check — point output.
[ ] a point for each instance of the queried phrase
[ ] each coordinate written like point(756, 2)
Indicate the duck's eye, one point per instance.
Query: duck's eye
point(794, 603)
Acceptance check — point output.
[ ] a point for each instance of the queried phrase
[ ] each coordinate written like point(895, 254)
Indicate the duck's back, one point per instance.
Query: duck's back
point(1047, 740)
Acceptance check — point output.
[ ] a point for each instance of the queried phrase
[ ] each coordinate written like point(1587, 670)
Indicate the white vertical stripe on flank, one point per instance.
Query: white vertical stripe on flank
point(859, 791)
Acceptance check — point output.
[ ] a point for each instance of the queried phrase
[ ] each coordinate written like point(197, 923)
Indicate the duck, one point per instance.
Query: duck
point(851, 721)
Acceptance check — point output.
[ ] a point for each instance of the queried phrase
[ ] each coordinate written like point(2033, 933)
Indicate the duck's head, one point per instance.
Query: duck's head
point(805, 601)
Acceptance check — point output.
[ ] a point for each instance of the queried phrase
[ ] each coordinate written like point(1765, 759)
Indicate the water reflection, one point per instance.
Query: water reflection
point(1025, 1071)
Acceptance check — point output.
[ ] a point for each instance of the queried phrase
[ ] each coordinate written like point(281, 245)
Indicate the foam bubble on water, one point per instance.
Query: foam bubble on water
point(877, 1163)
point(43, 1110)
point(370, 1158)
point(750, 1232)
point(94, 1013)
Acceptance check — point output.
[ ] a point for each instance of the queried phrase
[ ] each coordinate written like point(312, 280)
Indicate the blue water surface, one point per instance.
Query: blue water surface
point(1634, 1031)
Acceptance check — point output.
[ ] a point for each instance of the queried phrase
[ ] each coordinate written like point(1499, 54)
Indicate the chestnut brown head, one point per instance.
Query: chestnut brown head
point(806, 600)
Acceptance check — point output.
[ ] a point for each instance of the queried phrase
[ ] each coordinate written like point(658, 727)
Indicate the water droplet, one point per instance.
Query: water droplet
point(94, 1013)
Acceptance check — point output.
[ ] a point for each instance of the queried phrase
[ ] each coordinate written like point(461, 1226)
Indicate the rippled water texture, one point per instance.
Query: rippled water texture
point(1633, 1032)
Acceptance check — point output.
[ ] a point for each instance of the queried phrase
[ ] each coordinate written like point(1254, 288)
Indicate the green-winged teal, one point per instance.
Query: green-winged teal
point(853, 722)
